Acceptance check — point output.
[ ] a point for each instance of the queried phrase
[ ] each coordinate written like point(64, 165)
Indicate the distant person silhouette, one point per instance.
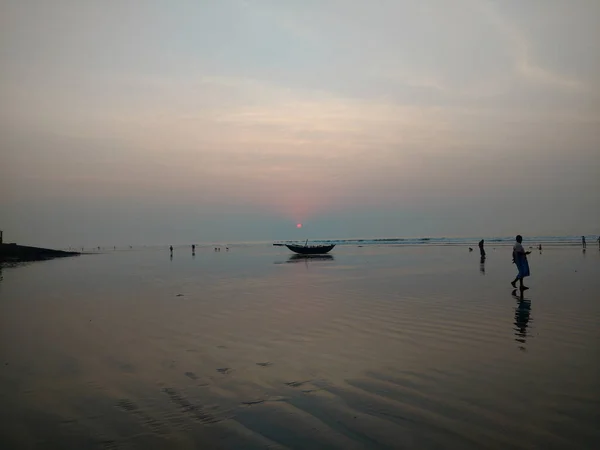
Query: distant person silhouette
point(171, 248)
point(583, 241)
point(520, 259)
point(193, 248)
point(481, 250)
point(540, 247)
point(598, 242)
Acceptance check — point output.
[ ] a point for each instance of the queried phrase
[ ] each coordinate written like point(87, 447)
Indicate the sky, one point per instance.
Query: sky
point(174, 121)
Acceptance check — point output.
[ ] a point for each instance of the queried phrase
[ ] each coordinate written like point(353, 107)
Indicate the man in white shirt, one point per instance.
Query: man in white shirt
point(520, 259)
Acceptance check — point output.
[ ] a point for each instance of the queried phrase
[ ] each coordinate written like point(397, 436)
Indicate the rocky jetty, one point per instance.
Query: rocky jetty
point(17, 253)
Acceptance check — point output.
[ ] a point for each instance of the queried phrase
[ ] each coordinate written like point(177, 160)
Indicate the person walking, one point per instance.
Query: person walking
point(583, 241)
point(520, 259)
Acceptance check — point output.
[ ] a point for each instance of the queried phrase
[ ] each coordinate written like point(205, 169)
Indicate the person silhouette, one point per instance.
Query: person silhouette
point(520, 260)
point(583, 242)
point(481, 250)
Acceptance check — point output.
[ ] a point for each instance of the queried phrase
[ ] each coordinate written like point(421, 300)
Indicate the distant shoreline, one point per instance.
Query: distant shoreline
point(495, 241)
point(343, 243)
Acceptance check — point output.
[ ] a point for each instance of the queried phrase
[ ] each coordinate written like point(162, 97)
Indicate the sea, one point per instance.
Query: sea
point(381, 344)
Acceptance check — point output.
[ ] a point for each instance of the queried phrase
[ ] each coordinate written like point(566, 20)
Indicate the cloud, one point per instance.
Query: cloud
point(525, 61)
point(293, 108)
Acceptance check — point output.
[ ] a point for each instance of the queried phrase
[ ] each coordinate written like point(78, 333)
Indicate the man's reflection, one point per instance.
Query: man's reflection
point(482, 265)
point(522, 317)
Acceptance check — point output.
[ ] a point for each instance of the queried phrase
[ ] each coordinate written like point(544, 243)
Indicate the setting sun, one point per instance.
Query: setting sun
point(298, 225)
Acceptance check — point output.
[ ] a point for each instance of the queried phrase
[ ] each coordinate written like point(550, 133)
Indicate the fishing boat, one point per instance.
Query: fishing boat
point(309, 249)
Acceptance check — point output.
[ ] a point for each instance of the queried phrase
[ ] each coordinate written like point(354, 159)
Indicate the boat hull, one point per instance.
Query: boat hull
point(315, 250)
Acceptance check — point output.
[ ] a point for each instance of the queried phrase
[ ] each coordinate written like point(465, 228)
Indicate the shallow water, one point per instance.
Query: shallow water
point(375, 347)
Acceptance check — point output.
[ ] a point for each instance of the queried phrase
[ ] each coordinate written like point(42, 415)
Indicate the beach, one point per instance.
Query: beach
point(375, 347)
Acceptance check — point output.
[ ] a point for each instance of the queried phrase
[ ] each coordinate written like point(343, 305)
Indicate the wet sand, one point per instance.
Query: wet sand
point(376, 347)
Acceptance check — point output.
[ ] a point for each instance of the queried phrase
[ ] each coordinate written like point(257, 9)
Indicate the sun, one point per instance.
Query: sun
point(298, 225)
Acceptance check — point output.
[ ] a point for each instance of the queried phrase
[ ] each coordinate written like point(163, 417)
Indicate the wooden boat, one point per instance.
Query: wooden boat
point(310, 249)
point(307, 249)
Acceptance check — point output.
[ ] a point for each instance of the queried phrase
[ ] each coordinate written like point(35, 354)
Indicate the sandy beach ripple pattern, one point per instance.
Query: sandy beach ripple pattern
point(391, 347)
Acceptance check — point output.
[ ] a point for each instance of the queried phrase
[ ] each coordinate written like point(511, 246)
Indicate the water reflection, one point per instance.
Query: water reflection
point(12, 265)
point(306, 259)
point(522, 318)
point(298, 258)
point(482, 265)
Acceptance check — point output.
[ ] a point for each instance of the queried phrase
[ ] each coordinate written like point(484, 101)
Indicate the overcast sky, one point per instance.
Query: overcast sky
point(157, 122)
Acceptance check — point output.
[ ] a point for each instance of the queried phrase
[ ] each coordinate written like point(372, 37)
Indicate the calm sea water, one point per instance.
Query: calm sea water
point(374, 347)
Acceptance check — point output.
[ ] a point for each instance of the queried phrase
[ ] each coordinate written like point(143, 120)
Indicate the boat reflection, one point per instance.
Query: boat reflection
point(309, 258)
point(306, 259)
